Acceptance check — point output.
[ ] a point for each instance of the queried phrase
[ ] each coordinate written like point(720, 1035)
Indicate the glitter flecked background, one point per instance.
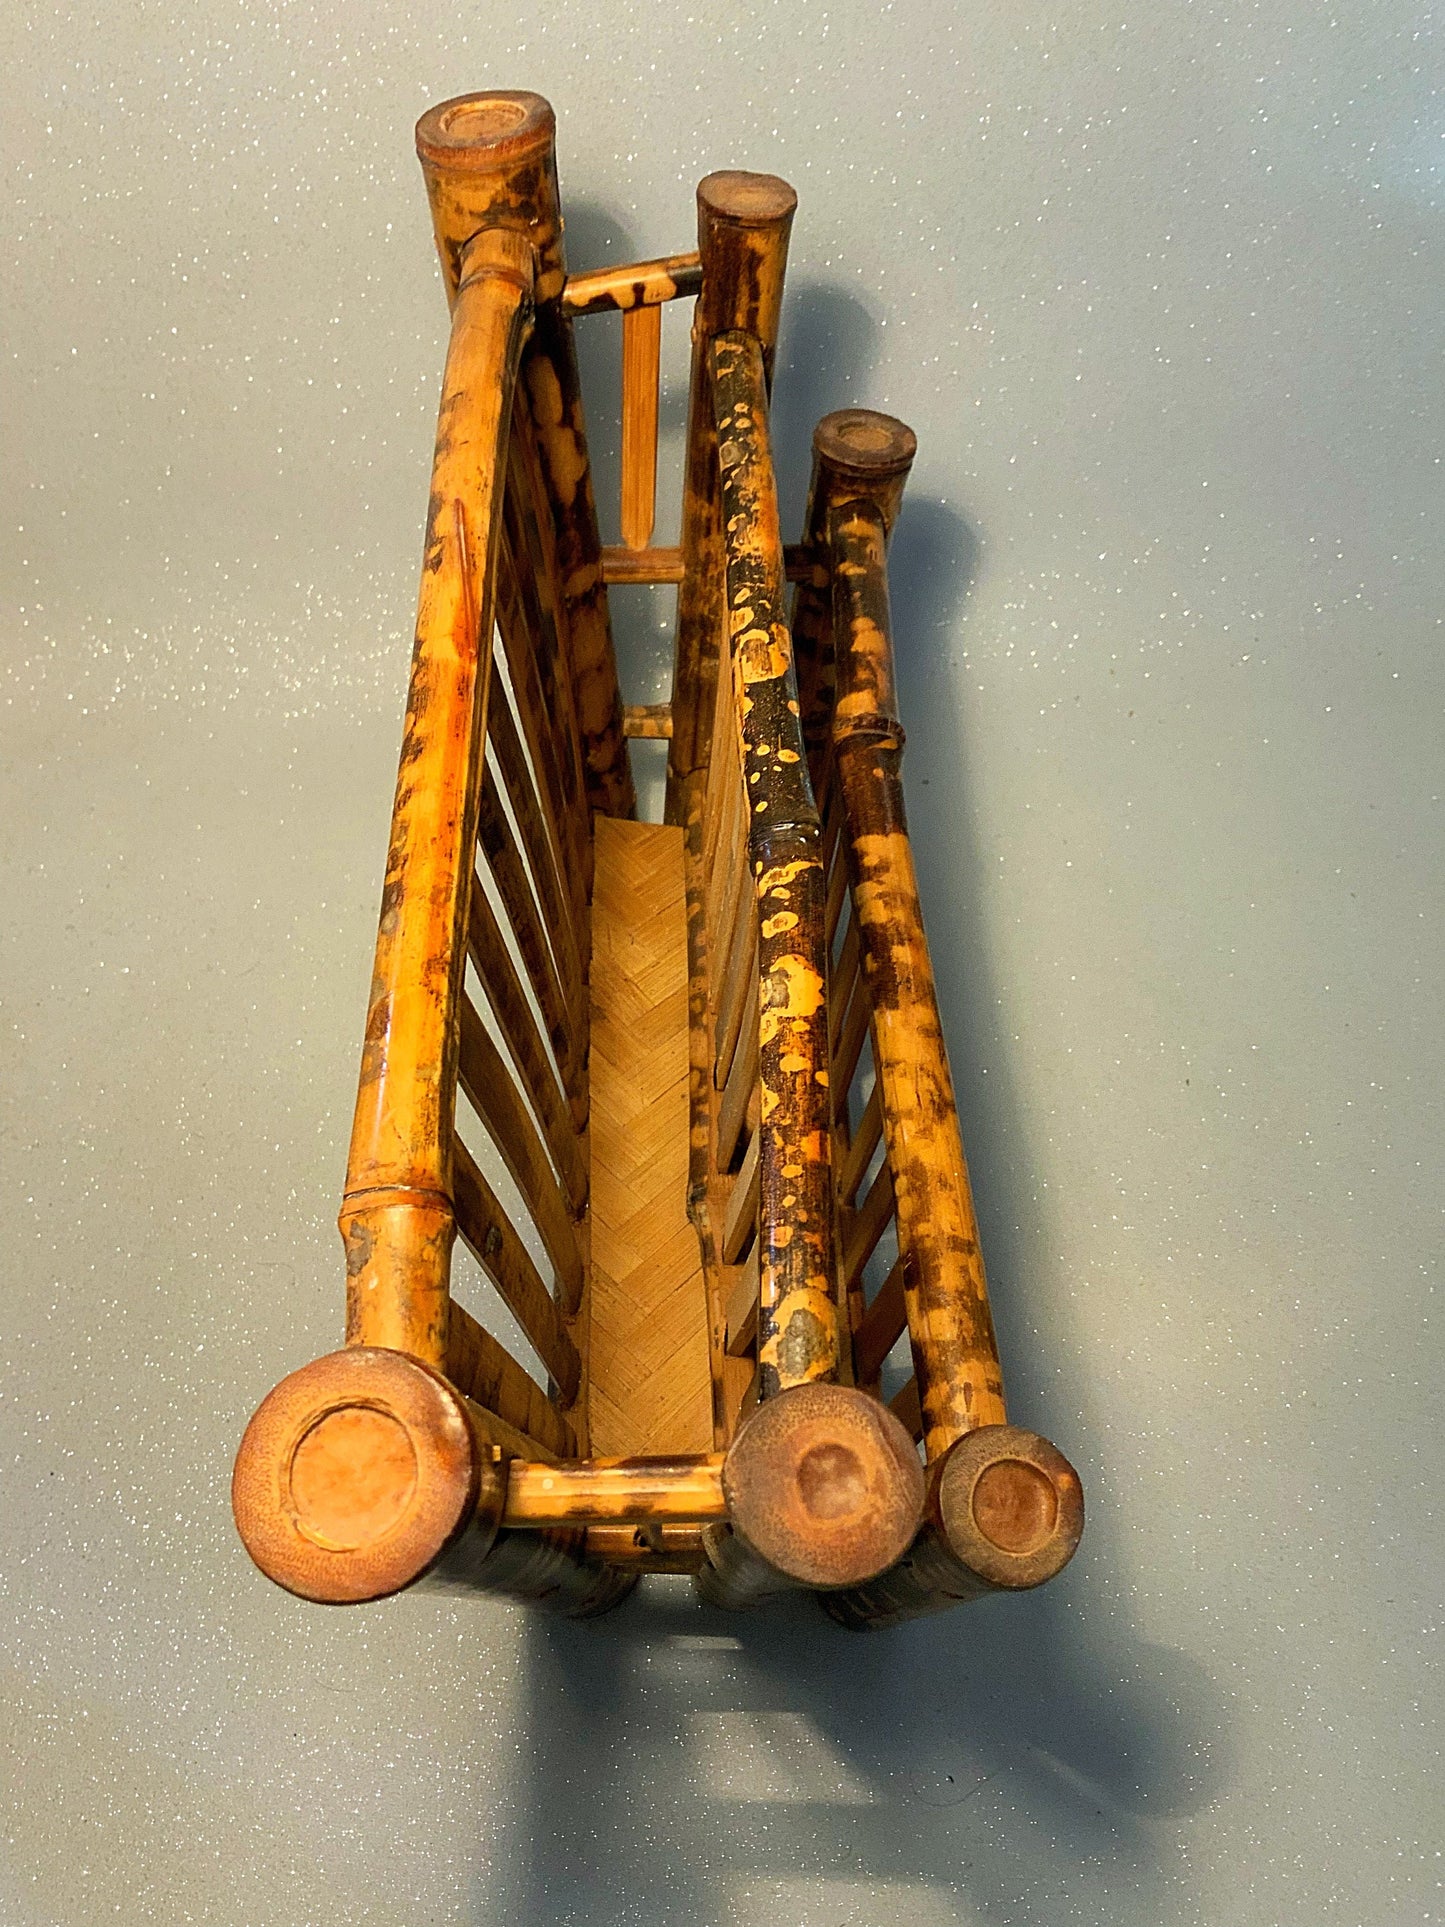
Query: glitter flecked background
point(1161, 289)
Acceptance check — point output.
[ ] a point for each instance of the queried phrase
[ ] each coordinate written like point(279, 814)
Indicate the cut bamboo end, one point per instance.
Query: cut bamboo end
point(491, 130)
point(748, 200)
point(356, 1475)
point(489, 161)
point(1009, 1505)
point(858, 452)
point(824, 1483)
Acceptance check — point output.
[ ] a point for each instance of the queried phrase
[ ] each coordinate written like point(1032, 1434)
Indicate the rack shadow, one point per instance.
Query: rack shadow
point(687, 1766)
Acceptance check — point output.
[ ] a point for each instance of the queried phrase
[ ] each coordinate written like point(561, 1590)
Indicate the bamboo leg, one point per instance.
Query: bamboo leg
point(367, 1472)
point(820, 1481)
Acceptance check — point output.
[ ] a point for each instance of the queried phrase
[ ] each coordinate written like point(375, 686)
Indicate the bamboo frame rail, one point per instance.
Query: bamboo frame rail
point(679, 1089)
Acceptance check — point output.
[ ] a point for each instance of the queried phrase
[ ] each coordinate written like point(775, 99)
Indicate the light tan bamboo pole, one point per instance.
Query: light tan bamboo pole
point(641, 348)
point(490, 161)
point(641, 1491)
point(367, 1472)
point(1005, 1508)
point(396, 1218)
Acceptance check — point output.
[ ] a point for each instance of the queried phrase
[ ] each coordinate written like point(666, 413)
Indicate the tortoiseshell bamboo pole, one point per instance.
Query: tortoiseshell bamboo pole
point(366, 1473)
point(1005, 1507)
point(797, 1307)
point(642, 284)
point(743, 225)
point(490, 161)
point(396, 1218)
point(744, 221)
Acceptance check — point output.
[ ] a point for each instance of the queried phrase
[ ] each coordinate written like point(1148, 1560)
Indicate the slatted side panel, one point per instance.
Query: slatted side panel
point(520, 1154)
point(732, 1015)
point(871, 1268)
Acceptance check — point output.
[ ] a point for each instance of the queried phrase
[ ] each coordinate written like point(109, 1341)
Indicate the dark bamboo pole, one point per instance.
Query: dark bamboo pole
point(743, 225)
point(367, 1472)
point(396, 1217)
point(797, 1308)
point(490, 161)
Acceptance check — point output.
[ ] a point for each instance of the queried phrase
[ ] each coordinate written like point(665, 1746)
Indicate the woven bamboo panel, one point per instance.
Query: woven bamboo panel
point(650, 1384)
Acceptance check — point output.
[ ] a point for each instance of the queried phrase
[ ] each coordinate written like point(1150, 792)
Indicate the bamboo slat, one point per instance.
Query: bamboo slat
point(641, 349)
point(883, 1325)
point(493, 1095)
point(641, 284)
point(864, 1143)
point(503, 987)
point(494, 1243)
point(561, 1005)
point(742, 1208)
point(635, 1491)
point(737, 1105)
point(539, 836)
point(485, 1371)
point(743, 223)
point(868, 1224)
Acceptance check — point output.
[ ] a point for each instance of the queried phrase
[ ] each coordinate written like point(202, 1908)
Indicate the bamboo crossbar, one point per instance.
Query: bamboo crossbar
point(735, 1107)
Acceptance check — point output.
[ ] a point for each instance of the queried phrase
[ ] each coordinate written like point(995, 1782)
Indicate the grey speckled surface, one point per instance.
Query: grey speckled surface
point(1160, 288)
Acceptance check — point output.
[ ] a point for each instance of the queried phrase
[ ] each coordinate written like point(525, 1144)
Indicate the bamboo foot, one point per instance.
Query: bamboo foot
point(822, 1480)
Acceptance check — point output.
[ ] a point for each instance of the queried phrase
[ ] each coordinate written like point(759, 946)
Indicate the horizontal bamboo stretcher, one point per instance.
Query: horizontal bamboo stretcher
point(679, 1088)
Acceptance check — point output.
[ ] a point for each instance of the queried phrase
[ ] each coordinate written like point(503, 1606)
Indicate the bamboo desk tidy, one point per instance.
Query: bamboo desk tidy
point(706, 1052)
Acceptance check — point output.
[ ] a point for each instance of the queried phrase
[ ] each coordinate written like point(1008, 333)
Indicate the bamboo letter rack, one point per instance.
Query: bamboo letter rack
point(680, 1088)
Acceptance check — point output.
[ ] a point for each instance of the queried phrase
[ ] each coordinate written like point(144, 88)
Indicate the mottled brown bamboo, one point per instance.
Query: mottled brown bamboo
point(642, 1491)
point(743, 221)
point(1005, 1512)
point(484, 1370)
point(489, 161)
point(797, 1317)
point(494, 1097)
point(950, 1325)
point(819, 1480)
point(641, 284)
point(651, 721)
point(641, 351)
point(395, 1217)
point(666, 565)
point(366, 1472)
